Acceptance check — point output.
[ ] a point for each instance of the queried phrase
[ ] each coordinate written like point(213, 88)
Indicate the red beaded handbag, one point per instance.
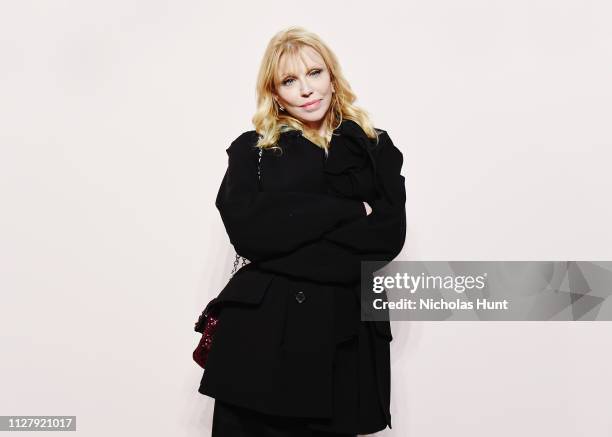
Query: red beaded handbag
point(207, 325)
point(209, 319)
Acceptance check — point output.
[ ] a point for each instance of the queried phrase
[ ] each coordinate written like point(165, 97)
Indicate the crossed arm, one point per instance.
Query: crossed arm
point(312, 236)
point(263, 225)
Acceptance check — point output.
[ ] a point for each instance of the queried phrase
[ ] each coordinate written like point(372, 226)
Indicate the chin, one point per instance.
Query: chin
point(313, 117)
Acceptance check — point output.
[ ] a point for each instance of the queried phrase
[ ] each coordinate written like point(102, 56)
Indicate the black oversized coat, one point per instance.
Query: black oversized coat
point(290, 341)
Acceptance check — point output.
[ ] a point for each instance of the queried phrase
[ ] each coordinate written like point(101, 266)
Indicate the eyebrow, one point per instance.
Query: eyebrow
point(290, 73)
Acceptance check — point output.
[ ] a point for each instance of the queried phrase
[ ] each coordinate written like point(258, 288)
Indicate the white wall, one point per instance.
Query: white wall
point(115, 116)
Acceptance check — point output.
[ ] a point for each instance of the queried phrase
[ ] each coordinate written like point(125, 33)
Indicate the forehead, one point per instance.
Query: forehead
point(304, 58)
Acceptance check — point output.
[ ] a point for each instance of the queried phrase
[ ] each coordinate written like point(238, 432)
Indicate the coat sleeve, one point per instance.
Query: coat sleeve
point(380, 236)
point(261, 225)
point(384, 230)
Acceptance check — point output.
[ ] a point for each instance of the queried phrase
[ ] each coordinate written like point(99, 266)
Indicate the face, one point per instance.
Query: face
point(304, 87)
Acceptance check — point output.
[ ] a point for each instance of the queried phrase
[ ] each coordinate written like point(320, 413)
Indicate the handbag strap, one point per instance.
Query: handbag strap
point(237, 258)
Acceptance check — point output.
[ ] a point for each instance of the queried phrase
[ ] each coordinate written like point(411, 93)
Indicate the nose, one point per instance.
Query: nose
point(306, 89)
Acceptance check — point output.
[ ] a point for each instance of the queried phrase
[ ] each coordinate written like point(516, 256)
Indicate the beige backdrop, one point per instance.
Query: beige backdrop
point(115, 116)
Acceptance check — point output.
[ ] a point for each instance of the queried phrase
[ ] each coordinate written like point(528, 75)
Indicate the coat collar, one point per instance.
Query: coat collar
point(355, 139)
point(347, 127)
point(362, 151)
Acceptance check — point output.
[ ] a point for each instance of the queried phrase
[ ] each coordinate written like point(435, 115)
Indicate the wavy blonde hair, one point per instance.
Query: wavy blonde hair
point(269, 121)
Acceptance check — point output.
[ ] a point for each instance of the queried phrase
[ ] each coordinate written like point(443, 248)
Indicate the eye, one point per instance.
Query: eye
point(289, 80)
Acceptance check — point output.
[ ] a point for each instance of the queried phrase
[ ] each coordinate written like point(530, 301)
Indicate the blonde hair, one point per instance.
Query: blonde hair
point(269, 122)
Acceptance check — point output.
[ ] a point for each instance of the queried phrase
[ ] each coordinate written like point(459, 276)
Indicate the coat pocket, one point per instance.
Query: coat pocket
point(248, 287)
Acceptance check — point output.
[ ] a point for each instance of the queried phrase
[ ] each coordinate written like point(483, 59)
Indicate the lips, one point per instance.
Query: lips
point(310, 104)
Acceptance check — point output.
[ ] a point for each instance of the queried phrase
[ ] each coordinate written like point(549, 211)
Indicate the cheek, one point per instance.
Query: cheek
point(326, 87)
point(288, 94)
point(326, 82)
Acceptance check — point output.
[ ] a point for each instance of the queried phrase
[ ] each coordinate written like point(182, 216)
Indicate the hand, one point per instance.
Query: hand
point(368, 208)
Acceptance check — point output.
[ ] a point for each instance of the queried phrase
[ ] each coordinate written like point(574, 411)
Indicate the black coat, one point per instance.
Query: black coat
point(290, 341)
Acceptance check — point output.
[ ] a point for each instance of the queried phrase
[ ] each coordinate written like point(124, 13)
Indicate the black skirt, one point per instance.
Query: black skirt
point(235, 421)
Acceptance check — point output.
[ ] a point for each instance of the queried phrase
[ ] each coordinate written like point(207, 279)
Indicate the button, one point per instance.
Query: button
point(300, 296)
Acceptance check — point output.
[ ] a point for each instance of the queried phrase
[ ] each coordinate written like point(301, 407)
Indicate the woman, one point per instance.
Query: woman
point(291, 356)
